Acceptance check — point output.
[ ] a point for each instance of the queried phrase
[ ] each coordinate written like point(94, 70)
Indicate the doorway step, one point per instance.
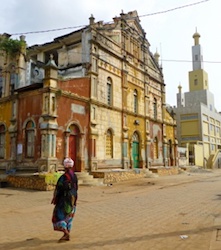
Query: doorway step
point(86, 179)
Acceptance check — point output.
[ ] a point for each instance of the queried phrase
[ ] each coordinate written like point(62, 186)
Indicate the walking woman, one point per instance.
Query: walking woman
point(65, 200)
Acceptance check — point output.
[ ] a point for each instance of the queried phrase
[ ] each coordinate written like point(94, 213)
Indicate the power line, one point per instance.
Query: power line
point(180, 7)
point(81, 26)
point(46, 31)
point(188, 61)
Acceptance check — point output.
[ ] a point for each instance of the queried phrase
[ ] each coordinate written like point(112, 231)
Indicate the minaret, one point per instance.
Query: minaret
point(198, 78)
point(180, 97)
point(197, 57)
point(156, 57)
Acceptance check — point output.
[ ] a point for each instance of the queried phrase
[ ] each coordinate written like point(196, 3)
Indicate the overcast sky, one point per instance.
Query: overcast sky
point(170, 33)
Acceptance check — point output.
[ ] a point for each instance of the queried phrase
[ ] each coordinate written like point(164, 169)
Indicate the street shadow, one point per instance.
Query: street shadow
point(36, 243)
point(146, 237)
point(32, 243)
point(218, 197)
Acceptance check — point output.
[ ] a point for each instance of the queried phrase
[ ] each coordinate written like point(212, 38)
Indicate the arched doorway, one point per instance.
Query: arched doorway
point(155, 149)
point(74, 144)
point(171, 153)
point(135, 150)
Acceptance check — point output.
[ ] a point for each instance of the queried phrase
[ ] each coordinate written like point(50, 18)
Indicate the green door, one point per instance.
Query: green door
point(135, 154)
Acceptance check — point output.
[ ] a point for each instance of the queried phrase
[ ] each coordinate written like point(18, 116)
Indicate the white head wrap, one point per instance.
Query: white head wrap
point(68, 163)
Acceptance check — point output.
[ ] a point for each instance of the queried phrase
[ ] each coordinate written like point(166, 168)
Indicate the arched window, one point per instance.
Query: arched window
point(13, 78)
point(53, 145)
point(95, 64)
point(2, 141)
point(46, 103)
point(135, 137)
point(109, 91)
point(30, 139)
point(109, 144)
point(53, 104)
point(135, 101)
point(155, 108)
point(155, 148)
point(94, 86)
point(1, 83)
point(170, 148)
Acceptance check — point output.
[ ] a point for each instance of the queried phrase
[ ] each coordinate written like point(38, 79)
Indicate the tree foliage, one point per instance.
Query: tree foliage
point(11, 46)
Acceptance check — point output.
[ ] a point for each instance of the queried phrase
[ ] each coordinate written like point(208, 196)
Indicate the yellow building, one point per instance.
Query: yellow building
point(11, 66)
point(198, 122)
point(5, 116)
point(170, 138)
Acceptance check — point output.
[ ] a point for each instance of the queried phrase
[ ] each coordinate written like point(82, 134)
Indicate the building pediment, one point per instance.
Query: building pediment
point(134, 23)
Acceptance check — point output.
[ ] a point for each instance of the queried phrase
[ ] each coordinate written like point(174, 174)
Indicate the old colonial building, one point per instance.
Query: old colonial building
point(96, 94)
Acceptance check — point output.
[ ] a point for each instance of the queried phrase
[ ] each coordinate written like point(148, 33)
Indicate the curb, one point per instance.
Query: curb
point(215, 243)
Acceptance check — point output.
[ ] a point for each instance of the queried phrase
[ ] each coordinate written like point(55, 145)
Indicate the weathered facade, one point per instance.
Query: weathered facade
point(96, 95)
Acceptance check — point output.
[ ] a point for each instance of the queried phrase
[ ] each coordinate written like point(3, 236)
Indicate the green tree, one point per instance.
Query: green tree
point(11, 46)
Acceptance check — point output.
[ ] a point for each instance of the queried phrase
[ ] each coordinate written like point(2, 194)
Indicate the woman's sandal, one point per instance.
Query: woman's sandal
point(64, 238)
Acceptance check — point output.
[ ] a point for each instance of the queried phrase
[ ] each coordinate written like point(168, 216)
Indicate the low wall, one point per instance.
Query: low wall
point(47, 181)
point(113, 176)
point(41, 182)
point(164, 171)
point(29, 182)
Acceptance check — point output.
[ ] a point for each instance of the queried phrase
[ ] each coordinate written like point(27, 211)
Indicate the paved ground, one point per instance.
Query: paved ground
point(179, 212)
